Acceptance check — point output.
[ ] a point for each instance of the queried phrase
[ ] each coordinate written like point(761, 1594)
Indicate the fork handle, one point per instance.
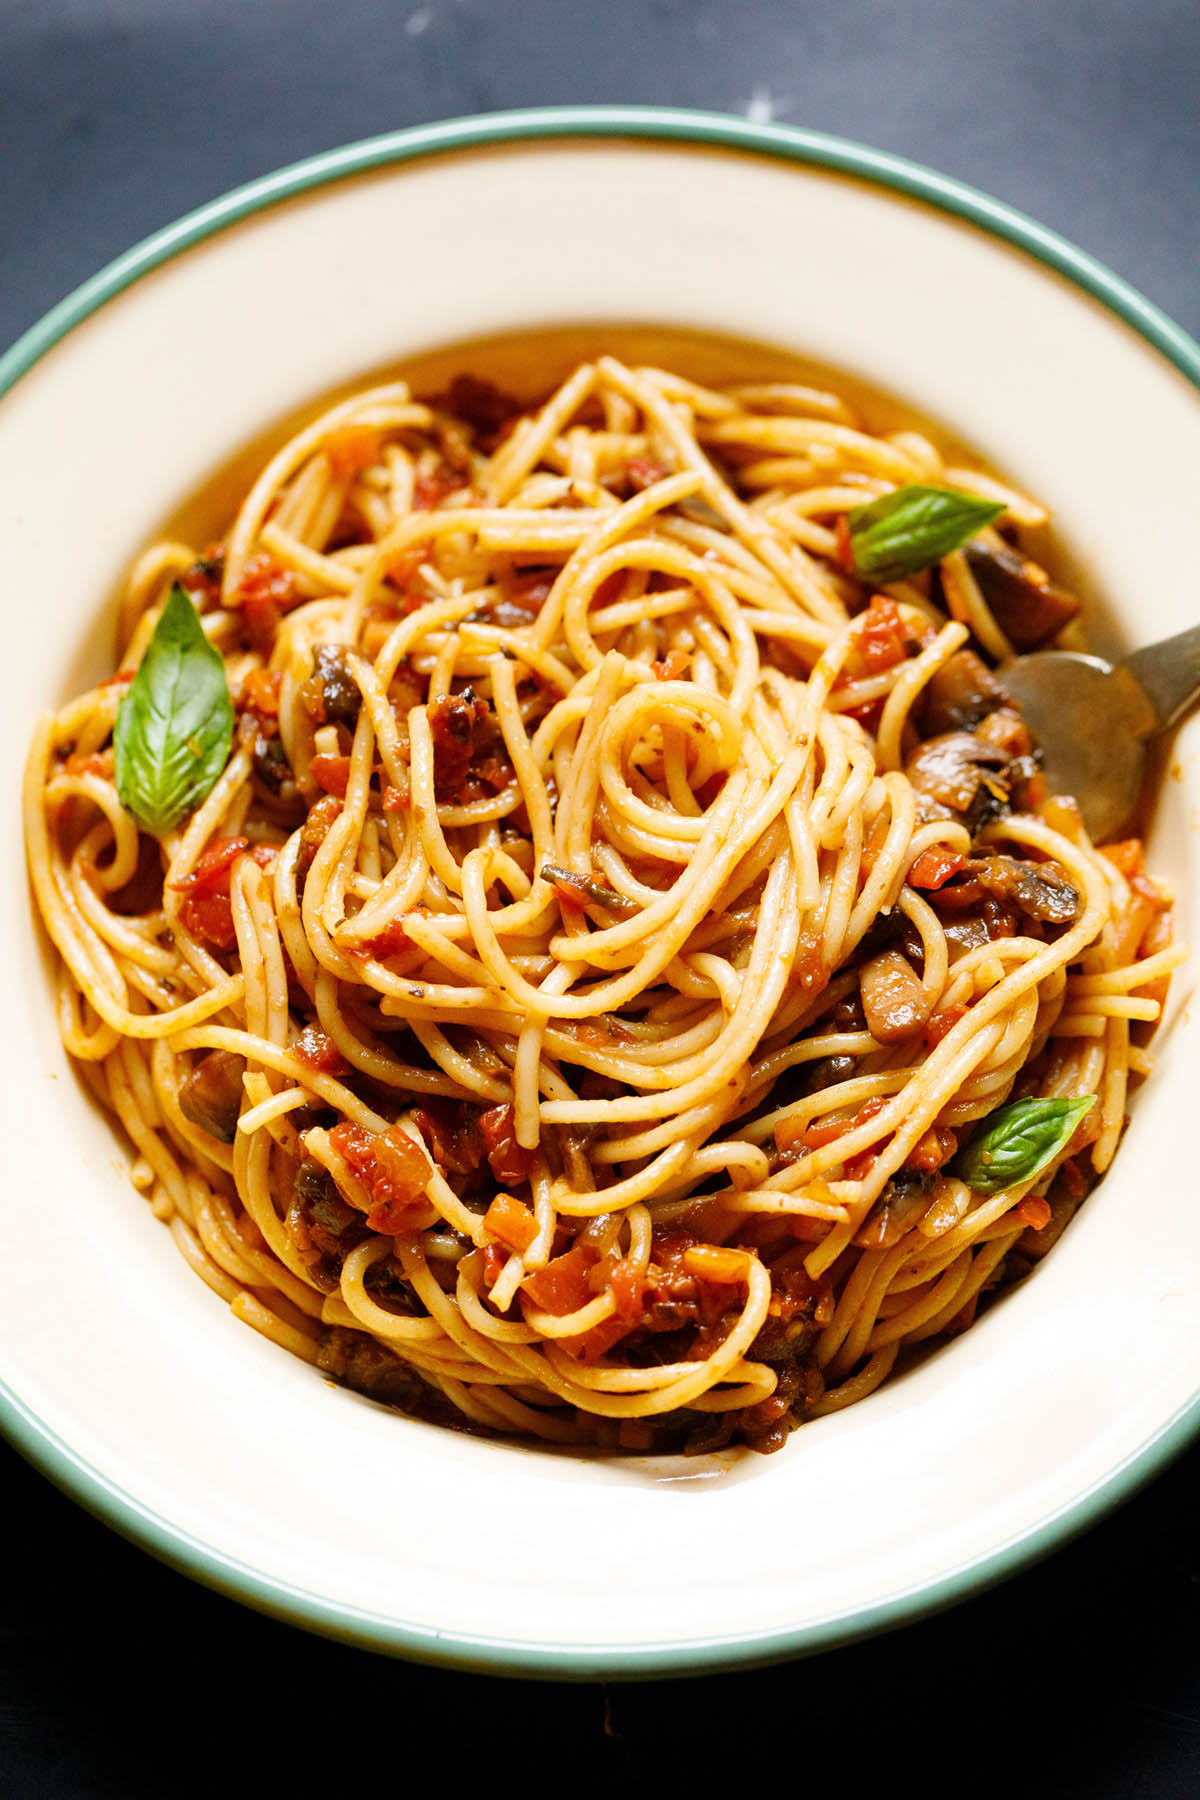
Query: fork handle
point(1169, 674)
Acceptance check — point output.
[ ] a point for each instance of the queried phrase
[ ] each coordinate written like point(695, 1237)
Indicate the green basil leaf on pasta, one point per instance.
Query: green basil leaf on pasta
point(174, 727)
point(1017, 1142)
point(911, 529)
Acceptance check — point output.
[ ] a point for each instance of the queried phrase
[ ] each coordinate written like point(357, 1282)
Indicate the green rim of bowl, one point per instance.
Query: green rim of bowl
point(92, 1490)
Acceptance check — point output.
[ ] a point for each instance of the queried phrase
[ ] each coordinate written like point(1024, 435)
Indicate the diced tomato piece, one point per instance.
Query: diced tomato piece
point(213, 867)
point(206, 912)
point(628, 1285)
point(100, 764)
point(933, 1150)
point(934, 867)
point(393, 1218)
point(261, 618)
point(527, 593)
point(511, 1222)
point(588, 1346)
point(317, 1051)
point(400, 567)
point(260, 693)
point(209, 918)
point(845, 551)
point(562, 1286)
point(571, 902)
point(391, 1166)
point(941, 1024)
point(1033, 1211)
point(263, 578)
point(331, 773)
point(815, 1137)
point(644, 471)
point(393, 940)
point(264, 592)
point(393, 800)
point(430, 490)
point(881, 638)
point(1147, 889)
point(451, 1133)
point(393, 944)
point(494, 1259)
point(673, 665)
point(510, 1161)
point(868, 715)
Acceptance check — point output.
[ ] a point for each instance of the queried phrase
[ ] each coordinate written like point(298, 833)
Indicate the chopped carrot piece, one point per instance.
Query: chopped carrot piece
point(511, 1222)
point(1125, 856)
point(352, 448)
point(716, 1262)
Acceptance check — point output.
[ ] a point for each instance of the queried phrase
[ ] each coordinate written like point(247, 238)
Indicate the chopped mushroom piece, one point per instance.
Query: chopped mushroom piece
point(959, 775)
point(332, 695)
point(903, 1201)
point(1025, 604)
point(1040, 890)
point(211, 1095)
point(895, 1004)
point(990, 923)
point(959, 695)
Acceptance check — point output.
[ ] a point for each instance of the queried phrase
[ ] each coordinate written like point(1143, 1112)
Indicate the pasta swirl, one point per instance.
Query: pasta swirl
point(570, 1008)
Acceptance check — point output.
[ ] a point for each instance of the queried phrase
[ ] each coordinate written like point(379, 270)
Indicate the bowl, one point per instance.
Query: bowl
point(137, 402)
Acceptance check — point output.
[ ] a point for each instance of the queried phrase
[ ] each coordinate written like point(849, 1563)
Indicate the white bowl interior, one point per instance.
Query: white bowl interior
point(137, 1369)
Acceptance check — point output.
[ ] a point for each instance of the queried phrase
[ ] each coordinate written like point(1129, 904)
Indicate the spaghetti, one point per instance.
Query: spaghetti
point(571, 1009)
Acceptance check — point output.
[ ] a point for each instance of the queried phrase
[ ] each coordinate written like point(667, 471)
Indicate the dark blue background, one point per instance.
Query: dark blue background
point(118, 115)
point(118, 1677)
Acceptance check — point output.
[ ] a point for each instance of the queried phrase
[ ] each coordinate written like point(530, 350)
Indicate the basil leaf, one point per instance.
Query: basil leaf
point(1017, 1141)
point(909, 530)
point(174, 727)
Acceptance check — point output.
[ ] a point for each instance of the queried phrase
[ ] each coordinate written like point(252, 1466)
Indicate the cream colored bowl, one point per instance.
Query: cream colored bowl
point(130, 1383)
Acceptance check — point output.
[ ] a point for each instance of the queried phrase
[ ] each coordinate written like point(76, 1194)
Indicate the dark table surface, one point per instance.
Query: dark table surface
point(117, 1676)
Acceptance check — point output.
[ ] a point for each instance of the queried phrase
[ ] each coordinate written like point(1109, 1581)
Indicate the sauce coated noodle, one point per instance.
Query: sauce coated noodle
point(570, 1010)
